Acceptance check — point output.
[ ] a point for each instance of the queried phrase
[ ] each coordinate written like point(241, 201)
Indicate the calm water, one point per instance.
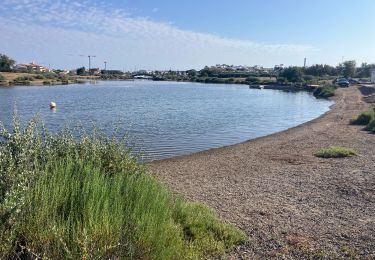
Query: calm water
point(166, 118)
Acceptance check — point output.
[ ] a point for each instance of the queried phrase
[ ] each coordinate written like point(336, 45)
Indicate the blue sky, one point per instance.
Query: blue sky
point(141, 34)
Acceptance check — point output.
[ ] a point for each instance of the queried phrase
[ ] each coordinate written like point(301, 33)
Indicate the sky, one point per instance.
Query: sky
point(169, 34)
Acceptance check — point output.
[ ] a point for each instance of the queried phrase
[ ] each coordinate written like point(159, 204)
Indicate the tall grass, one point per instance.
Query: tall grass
point(87, 197)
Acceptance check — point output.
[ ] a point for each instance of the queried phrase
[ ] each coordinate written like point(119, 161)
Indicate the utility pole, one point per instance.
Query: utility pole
point(105, 65)
point(304, 63)
point(90, 56)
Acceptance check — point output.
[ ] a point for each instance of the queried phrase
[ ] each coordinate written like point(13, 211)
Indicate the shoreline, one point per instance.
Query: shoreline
point(246, 141)
point(286, 200)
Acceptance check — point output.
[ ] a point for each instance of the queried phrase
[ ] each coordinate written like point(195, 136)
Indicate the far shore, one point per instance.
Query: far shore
point(289, 202)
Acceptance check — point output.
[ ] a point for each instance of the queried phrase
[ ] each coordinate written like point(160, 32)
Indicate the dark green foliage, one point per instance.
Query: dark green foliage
point(6, 63)
point(39, 76)
point(88, 198)
point(23, 78)
point(192, 73)
point(349, 69)
point(292, 74)
point(46, 82)
point(81, 71)
point(282, 80)
point(320, 70)
point(49, 75)
point(324, 92)
point(371, 125)
point(365, 70)
point(363, 118)
point(335, 152)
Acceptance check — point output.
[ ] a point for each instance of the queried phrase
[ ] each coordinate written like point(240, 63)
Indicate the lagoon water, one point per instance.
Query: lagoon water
point(165, 119)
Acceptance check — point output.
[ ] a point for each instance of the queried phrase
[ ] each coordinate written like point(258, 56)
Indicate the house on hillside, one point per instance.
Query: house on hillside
point(32, 67)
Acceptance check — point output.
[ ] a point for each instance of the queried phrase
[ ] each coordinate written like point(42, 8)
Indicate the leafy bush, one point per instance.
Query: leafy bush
point(2, 78)
point(46, 82)
point(335, 152)
point(324, 92)
point(363, 118)
point(39, 77)
point(281, 80)
point(21, 82)
point(24, 78)
point(371, 125)
point(67, 197)
point(64, 81)
point(49, 75)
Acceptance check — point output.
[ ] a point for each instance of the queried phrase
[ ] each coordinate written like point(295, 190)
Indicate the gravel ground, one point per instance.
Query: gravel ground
point(291, 204)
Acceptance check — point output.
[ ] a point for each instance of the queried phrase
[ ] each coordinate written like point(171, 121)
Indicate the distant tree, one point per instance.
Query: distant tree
point(6, 63)
point(320, 70)
point(81, 71)
point(349, 69)
point(292, 74)
point(192, 73)
point(365, 70)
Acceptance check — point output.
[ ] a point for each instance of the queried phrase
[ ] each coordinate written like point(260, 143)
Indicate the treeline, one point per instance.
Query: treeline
point(347, 69)
point(218, 73)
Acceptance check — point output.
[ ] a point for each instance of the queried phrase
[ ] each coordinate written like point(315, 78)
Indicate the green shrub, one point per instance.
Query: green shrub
point(324, 92)
point(39, 77)
point(335, 152)
point(87, 197)
point(49, 75)
point(2, 78)
point(24, 78)
point(282, 80)
point(21, 82)
point(371, 125)
point(363, 118)
point(46, 82)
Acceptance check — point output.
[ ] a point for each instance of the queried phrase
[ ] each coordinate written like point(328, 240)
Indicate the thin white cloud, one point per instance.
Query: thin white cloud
point(62, 24)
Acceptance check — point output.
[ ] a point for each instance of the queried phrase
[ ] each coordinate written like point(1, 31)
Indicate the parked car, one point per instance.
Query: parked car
point(343, 82)
point(353, 81)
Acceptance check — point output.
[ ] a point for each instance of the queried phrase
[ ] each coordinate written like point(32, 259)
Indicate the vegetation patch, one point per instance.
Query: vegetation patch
point(335, 152)
point(63, 197)
point(363, 118)
point(371, 126)
point(46, 82)
point(324, 91)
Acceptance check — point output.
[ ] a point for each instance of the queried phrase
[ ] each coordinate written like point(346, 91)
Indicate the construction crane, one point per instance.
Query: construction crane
point(82, 55)
point(90, 56)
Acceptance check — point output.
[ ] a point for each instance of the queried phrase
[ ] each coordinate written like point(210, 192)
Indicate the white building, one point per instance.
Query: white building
point(33, 66)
